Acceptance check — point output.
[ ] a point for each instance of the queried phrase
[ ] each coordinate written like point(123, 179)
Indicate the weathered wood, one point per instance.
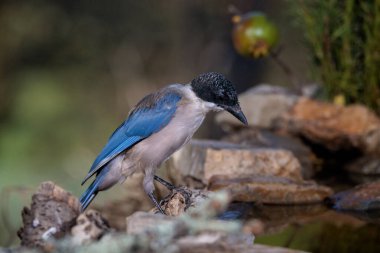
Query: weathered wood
point(90, 226)
point(52, 213)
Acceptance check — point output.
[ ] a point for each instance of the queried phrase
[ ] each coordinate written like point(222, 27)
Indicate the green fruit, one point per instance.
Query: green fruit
point(254, 35)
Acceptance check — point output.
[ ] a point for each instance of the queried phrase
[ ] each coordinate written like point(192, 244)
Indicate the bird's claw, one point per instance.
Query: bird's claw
point(154, 200)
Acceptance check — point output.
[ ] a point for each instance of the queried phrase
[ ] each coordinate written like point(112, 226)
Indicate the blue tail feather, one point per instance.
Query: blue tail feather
point(92, 190)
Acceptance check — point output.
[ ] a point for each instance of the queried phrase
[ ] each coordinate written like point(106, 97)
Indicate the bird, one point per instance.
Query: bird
point(160, 124)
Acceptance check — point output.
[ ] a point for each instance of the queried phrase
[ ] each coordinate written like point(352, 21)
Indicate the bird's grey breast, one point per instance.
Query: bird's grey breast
point(158, 147)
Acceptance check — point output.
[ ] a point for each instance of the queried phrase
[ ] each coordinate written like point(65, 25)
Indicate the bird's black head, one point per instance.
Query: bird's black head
point(215, 88)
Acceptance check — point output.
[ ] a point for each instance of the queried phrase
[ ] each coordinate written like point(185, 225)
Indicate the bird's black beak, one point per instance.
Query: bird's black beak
point(238, 113)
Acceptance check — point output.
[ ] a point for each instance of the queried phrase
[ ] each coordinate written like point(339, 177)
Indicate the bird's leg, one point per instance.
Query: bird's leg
point(149, 187)
point(165, 183)
point(185, 193)
point(154, 200)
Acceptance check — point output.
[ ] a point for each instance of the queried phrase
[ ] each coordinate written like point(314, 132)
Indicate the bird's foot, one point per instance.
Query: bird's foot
point(176, 191)
point(185, 193)
point(154, 200)
point(172, 188)
point(173, 191)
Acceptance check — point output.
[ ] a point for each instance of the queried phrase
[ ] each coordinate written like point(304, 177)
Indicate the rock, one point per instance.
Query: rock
point(268, 139)
point(362, 179)
point(364, 169)
point(51, 215)
point(195, 231)
point(262, 105)
point(365, 197)
point(365, 165)
point(192, 236)
point(270, 189)
point(332, 126)
point(180, 200)
point(141, 221)
point(199, 160)
point(207, 209)
point(90, 226)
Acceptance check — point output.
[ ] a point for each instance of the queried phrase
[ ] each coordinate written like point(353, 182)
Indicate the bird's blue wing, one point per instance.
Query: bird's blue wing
point(150, 115)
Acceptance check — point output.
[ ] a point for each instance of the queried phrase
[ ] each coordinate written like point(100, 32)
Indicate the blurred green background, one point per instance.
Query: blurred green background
point(71, 70)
